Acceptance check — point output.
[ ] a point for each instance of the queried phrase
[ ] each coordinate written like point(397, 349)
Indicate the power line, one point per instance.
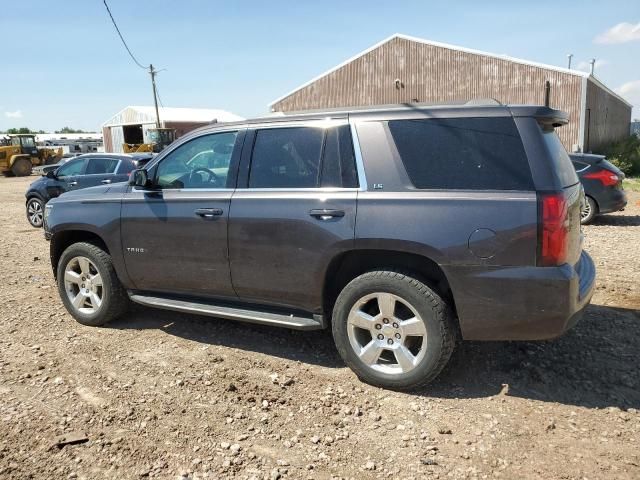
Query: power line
point(159, 98)
point(122, 38)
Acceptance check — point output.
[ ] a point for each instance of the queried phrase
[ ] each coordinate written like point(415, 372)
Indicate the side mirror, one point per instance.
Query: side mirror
point(139, 178)
point(51, 174)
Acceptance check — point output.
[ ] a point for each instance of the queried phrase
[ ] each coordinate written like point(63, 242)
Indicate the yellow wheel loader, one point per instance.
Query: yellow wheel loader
point(19, 154)
point(158, 138)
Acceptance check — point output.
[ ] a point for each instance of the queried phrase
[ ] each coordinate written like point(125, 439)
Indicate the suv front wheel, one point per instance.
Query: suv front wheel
point(89, 286)
point(392, 330)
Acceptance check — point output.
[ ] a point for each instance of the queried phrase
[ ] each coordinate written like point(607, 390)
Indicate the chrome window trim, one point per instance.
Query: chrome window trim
point(362, 179)
point(582, 169)
point(302, 190)
point(182, 190)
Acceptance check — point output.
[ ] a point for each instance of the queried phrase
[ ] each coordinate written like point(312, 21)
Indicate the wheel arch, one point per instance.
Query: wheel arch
point(34, 194)
point(60, 241)
point(595, 200)
point(350, 264)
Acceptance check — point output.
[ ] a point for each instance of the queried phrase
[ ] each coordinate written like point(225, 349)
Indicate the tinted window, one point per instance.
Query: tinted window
point(338, 161)
point(286, 158)
point(101, 166)
point(127, 166)
point(74, 167)
point(463, 153)
point(559, 157)
point(200, 163)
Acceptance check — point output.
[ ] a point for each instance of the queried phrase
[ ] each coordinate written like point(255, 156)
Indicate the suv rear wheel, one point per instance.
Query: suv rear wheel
point(392, 330)
point(89, 286)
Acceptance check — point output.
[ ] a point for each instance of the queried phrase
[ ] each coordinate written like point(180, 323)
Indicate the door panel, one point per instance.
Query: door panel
point(168, 246)
point(67, 177)
point(174, 237)
point(280, 244)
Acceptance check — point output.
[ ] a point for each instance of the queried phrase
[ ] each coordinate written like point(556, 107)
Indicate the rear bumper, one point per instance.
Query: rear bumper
point(612, 200)
point(521, 303)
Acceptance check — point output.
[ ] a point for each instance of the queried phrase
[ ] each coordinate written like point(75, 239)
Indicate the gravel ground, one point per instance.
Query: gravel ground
point(165, 395)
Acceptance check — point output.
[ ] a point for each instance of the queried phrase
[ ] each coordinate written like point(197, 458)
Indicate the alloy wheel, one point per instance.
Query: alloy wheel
point(387, 333)
point(586, 210)
point(35, 213)
point(83, 285)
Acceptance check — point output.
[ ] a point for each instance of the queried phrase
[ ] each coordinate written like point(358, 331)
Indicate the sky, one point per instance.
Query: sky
point(64, 64)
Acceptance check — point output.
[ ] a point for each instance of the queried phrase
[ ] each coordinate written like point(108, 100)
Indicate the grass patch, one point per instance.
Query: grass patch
point(632, 183)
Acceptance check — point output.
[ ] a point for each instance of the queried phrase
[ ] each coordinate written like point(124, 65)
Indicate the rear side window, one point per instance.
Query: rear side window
point(560, 158)
point(303, 157)
point(101, 166)
point(463, 153)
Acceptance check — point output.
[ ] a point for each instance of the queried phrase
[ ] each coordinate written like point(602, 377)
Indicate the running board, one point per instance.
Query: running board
point(231, 313)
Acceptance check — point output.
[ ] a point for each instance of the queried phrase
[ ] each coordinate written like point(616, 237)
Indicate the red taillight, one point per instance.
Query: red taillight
point(607, 178)
point(554, 229)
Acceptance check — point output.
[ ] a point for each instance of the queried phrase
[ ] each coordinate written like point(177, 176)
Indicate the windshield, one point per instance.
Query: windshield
point(28, 142)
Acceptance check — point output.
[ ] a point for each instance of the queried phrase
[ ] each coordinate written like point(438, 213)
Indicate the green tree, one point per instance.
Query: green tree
point(69, 130)
point(13, 131)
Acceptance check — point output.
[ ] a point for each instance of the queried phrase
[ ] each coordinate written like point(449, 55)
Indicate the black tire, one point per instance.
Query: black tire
point(21, 167)
point(115, 300)
point(35, 212)
point(589, 212)
point(435, 314)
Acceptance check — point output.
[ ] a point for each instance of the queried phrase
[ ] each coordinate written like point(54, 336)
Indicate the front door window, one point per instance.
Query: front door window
point(200, 163)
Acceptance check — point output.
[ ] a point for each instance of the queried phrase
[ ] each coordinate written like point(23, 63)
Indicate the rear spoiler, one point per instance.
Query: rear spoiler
point(544, 115)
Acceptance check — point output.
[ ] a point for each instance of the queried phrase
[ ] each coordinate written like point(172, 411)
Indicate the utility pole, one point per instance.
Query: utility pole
point(153, 73)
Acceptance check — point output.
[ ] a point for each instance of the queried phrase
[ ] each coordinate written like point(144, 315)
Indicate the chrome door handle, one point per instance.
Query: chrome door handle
point(326, 213)
point(106, 181)
point(73, 184)
point(208, 212)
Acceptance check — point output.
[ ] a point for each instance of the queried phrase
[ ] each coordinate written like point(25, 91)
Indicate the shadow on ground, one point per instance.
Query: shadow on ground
point(594, 365)
point(617, 220)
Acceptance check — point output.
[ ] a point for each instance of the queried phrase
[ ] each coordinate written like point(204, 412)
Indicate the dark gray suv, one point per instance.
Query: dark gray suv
point(399, 228)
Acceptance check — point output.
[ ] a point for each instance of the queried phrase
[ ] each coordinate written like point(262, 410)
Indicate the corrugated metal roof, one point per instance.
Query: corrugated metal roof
point(577, 73)
point(45, 137)
point(146, 114)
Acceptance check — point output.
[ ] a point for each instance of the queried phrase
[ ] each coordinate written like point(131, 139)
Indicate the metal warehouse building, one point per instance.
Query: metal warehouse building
point(404, 69)
point(130, 124)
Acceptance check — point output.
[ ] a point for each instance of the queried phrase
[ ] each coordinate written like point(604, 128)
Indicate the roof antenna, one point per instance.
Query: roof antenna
point(569, 57)
point(547, 93)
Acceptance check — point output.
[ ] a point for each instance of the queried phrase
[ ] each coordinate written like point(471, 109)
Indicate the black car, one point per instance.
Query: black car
point(79, 172)
point(602, 182)
point(400, 228)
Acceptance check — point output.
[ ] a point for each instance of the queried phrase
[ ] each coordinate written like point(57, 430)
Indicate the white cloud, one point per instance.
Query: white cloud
point(16, 114)
point(630, 91)
point(585, 66)
point(621, 33)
